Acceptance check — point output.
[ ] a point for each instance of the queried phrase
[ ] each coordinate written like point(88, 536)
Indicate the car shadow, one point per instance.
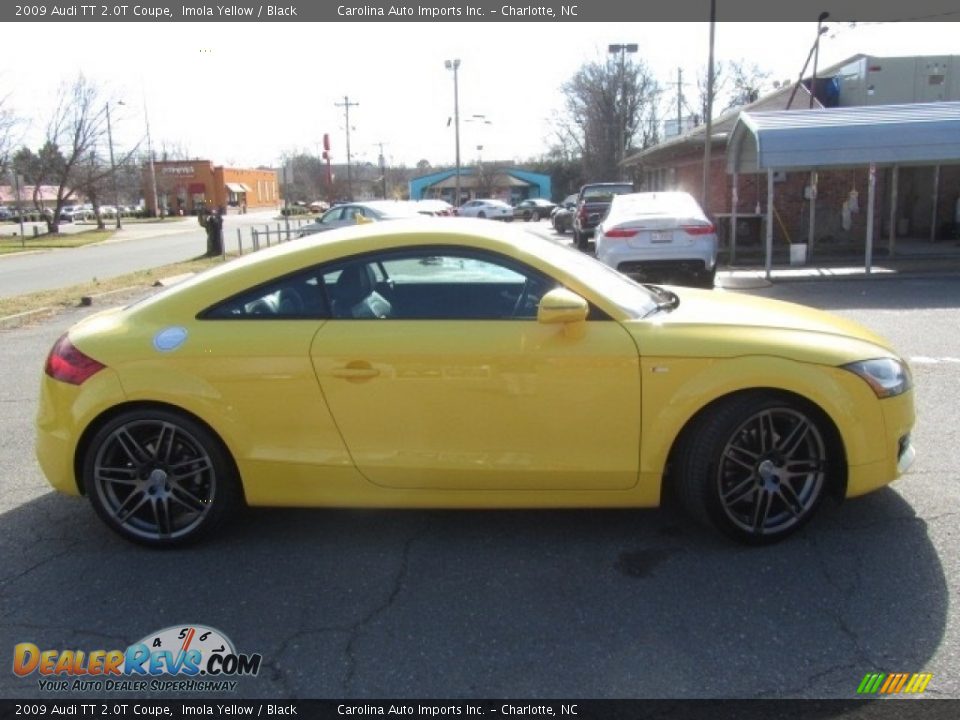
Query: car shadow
point(529, 604)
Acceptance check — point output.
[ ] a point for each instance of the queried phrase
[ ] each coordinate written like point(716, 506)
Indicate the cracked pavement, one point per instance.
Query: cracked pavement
point(590, 604)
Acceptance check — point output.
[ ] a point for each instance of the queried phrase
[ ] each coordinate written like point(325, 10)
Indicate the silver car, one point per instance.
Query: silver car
point(493, 209)
point(358, 212)
point(659, 236)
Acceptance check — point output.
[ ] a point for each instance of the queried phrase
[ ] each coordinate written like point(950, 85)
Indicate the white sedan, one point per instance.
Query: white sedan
point(659, 236)
point(493, 209)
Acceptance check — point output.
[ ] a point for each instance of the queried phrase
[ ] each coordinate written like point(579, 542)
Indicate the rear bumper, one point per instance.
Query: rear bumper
point(658, 263)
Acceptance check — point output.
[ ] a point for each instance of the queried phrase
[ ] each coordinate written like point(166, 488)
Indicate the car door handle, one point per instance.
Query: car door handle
point(356, 371)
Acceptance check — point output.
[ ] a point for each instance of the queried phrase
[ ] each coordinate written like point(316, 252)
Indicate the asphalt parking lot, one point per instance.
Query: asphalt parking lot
point(589, 604)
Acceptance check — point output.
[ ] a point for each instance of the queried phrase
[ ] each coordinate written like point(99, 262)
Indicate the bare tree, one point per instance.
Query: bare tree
point(736, 83)
point(607, 106)
point(76, 127)
point(7, 123)
point(701, 100)
point(747, 80)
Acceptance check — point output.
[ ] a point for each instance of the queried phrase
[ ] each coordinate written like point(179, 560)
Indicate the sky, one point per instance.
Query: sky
point(248, 94)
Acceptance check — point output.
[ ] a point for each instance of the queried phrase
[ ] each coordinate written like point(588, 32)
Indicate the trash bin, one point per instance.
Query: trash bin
point(798, 253)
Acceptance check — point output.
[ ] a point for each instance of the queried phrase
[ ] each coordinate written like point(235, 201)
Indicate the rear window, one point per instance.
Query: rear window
point(606, 193)
point(669, 203)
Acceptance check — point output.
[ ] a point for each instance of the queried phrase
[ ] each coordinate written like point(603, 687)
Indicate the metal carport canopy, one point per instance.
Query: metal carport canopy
point(911, 134)
point(921, 134)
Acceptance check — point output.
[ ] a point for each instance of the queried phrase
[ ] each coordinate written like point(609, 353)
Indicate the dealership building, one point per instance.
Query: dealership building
point(189, 186)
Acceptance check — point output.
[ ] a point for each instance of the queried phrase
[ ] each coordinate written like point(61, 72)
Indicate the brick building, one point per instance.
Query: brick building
point(928, 197)
point(192, 185)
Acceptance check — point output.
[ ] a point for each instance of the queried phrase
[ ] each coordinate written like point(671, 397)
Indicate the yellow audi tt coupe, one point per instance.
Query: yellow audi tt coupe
point(463, 364)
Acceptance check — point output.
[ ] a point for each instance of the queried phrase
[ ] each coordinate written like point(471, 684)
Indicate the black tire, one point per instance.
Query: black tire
point(708, 280)
point(756, 466)
point(579, 240)
point(481, 214)
point(159, 478)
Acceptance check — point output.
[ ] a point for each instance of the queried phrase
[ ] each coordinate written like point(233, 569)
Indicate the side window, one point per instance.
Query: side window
point(435, 284)
point(294, 297)
point(332, 216)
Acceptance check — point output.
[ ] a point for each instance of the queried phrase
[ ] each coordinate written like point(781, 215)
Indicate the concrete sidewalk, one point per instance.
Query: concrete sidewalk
point(913, 258)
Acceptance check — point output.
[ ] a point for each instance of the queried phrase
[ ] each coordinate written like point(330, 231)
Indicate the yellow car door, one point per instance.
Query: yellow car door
point(451, 383)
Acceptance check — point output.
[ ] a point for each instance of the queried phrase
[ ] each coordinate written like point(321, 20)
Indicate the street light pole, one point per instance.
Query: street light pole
point(455, 66)
point(113, 166)
point(816, 55)
point(622, 49)
point(814, 49)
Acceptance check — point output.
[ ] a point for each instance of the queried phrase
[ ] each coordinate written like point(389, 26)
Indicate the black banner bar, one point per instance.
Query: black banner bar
point(152, 11)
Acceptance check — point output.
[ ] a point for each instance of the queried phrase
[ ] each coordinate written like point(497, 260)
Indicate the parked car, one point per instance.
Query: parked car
point(571, 386)
point(562, 216)
point(592, 203)
point(72, 213)
point(440, 208)
point(492, 209)
point(358, 212)
point(659, 236)
point(5, 213)
point(533, 209)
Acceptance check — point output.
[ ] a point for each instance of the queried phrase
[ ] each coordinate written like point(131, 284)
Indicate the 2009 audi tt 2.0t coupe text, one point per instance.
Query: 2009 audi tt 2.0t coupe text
point(462, 364)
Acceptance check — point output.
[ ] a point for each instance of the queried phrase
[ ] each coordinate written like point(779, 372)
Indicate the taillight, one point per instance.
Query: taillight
point(620, 233)
point(69, 365)
point(698, 229)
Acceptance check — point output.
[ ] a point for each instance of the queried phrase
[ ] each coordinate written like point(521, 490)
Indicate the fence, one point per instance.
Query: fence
point(282, 232)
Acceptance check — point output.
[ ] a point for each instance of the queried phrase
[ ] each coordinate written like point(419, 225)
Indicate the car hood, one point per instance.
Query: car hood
point(726, 324)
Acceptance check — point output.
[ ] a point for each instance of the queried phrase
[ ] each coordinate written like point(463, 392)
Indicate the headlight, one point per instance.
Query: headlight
point(886, 376)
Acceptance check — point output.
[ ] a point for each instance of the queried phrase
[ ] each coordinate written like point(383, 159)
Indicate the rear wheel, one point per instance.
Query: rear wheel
point(481, 214)
point(159, 478)
point(756, 466)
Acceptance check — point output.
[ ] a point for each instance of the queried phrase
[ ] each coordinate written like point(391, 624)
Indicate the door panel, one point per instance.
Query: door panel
point(484, 404)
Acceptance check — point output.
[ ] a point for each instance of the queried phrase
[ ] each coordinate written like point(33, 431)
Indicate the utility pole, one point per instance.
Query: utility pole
point(708, 140)
point(346, 105)
point(153, 170)
point(383, 170)
point(679, 100)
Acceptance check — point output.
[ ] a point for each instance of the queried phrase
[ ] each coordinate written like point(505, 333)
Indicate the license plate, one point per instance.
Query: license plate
point(661, 236)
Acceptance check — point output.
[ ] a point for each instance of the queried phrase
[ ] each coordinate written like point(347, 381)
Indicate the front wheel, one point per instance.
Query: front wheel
point(159, 478)
point(756, 466)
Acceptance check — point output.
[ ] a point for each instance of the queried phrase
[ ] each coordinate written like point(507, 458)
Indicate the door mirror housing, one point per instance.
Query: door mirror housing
point(561, 306)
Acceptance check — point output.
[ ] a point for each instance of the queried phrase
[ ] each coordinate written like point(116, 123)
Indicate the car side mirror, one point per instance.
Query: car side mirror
point(560, 306)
